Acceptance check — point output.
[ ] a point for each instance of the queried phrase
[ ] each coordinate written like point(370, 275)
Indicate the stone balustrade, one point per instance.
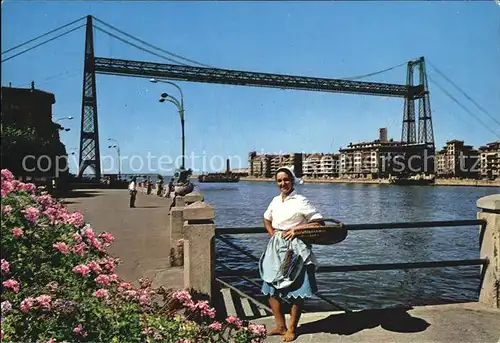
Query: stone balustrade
point(192, 234)
point(192, 245)
point(489, 209)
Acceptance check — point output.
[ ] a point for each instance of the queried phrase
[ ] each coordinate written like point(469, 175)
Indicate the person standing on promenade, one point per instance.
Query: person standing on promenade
point(286, 274)
point(170, 187)
point(159, 185)
point(132, 189)
point(149, 185)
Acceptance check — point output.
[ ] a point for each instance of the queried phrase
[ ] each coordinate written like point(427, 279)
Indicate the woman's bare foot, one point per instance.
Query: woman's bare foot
point(279, 330)
point(289, 336)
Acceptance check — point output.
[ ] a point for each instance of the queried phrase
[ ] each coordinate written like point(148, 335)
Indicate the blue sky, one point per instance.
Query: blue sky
point(324, 39)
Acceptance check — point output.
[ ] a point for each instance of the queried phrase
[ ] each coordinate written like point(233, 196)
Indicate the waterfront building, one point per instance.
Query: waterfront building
point(319, 165)
point(490, 160)
point(457, 160)
point(259, 165)
point(266, 165)
point(28, 129)
point(383, 157)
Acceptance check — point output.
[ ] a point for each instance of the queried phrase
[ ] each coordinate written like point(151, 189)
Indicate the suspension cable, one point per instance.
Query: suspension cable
point(40, 44)
point(150, 45)
point(463, 93)
point(374, 73)
point(43, 35)
point(462, 106)
point(137, 46)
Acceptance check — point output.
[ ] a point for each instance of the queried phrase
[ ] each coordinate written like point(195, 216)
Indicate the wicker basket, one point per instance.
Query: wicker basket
point(321, 235)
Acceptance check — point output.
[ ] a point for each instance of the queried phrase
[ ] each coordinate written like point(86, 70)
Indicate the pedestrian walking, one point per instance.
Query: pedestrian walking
point(132, 188)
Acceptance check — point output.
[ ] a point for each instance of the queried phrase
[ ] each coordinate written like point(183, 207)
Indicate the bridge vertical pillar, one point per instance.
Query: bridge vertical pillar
point(489, 210)
point(199, 248)
point(408, 134)
point(89, 132)
point(425, 130)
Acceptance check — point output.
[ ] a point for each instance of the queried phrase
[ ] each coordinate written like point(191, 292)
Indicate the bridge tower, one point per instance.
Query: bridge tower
point(425, 131)
point(89, 132)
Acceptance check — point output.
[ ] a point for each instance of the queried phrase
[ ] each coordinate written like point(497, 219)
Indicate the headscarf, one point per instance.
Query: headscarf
point(290, 172)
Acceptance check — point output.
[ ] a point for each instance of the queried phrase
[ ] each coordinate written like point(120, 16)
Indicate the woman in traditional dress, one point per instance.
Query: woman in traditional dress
point(287, 266)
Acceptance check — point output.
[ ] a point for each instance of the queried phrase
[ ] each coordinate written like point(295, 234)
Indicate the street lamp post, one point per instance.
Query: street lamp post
point(180, 108)
point(58, 119)
point(61, 128)
point(117, 146)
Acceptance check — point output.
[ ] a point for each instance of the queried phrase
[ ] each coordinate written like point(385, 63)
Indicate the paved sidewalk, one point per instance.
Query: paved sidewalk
point(468, 322)
point(141, 233)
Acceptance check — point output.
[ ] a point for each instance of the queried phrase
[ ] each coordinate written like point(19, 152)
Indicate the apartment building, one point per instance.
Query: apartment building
point(266, 165)
point(490, 160)
point(383, 157)
point(29, 110)
point(319, 165)
point(259, 165)
point(457, 160)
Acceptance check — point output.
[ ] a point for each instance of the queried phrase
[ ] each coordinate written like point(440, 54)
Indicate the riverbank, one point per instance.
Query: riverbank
point(439, 182)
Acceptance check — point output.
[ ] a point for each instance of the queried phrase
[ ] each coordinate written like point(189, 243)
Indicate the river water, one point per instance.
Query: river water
point(243, 204)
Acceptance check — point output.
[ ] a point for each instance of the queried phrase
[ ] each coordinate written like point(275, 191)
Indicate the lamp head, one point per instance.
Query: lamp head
point(67, 130)
point(70, 117)
point(164, 95)
point(153, 80)
point(162, 100)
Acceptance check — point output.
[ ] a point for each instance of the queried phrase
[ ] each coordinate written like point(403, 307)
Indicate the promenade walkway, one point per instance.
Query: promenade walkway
point(141, 233)
point(467, 322)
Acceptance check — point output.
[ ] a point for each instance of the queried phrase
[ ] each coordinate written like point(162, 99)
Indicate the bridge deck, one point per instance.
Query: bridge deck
point(141, 233)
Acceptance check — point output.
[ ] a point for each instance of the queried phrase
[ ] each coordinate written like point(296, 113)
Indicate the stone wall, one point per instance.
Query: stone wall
point(489, 210)
point(192, 240)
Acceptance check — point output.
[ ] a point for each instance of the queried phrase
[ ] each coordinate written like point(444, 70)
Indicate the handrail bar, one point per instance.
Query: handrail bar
point(360, 227)
point(238, 248)
point(368, 267)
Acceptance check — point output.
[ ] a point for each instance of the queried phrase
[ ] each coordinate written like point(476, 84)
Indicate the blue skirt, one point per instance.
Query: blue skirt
point(304, 286)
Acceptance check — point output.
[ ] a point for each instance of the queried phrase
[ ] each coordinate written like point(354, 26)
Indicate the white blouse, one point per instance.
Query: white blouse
point(295, 209)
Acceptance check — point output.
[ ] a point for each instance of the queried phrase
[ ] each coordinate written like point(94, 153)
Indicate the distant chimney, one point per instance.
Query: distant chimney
point(382, 134)
point(10, 84)
point(228, 168)
point(32, 85)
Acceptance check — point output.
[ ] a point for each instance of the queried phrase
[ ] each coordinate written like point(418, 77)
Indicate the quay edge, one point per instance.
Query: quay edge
point(438, 182)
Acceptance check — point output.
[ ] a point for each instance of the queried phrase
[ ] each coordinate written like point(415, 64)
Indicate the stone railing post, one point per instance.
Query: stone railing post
point(177, 226)
point(199, 247)
point(489, 210)
point(176, 236)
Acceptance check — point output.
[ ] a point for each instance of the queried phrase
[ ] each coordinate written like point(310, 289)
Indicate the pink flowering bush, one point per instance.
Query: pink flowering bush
point(59, 284)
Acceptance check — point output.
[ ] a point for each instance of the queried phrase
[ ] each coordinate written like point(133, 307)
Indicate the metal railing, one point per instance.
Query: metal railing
point(246, 274)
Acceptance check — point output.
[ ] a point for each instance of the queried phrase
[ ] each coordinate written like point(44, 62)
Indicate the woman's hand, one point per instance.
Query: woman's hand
point(269, 227)
point(289, 234)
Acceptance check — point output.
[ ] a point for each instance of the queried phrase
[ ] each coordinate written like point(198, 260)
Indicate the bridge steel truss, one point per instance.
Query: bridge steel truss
point(89, 143)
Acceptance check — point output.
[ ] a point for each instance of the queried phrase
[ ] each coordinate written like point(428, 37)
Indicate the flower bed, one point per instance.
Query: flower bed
point(59, 284)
